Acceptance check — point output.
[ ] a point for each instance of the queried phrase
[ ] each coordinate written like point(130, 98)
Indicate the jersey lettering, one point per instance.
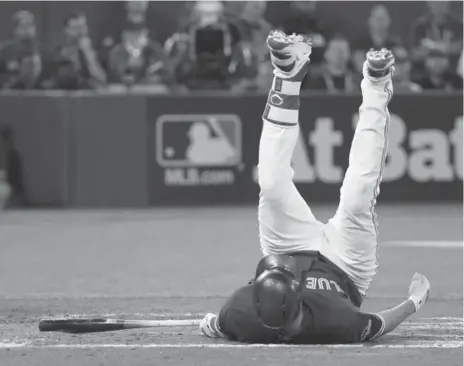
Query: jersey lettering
point(322, 283)
point(311, 283)
point(336, 285)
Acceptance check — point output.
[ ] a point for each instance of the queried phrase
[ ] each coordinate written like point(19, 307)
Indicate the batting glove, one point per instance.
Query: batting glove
point(419, 290)
point(209, 326)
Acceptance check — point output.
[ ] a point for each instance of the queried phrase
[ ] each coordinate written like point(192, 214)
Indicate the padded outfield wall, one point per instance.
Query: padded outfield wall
point(104, 150)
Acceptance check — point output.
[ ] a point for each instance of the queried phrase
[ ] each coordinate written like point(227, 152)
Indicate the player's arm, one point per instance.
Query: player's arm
point(215, 326)
point(385, 321)
point(229, 324)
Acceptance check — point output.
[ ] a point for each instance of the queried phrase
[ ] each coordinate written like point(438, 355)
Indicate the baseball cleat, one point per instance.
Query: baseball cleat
point(379, 63)
point(289, 54)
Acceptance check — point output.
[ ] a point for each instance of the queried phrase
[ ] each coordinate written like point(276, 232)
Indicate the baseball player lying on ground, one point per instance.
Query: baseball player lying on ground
point(310, 285)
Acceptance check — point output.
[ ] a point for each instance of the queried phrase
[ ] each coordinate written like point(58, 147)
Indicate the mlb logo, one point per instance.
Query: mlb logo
point(198, 140)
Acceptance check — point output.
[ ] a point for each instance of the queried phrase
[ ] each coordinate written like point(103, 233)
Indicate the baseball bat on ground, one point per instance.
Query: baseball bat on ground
point(92, 325)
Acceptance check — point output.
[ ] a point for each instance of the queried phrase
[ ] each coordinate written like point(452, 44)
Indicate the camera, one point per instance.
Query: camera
point(211, 51)
point(209, 41)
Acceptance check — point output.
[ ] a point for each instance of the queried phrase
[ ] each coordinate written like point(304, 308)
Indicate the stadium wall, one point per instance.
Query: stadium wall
point(104, 150)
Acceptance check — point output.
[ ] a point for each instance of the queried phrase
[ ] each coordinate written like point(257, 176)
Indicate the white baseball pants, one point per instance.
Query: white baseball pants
point(286, 222)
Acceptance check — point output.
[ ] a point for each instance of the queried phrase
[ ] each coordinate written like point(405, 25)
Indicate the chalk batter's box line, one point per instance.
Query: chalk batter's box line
point(436, 344)
point(174, 316)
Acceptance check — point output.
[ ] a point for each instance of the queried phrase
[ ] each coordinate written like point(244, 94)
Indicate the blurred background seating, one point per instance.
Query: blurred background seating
point(212, 45)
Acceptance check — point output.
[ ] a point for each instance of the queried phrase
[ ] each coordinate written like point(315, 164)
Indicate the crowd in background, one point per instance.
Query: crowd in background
point(215, 49)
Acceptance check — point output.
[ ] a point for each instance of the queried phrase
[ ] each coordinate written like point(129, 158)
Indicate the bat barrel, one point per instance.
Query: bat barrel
point(79, 325)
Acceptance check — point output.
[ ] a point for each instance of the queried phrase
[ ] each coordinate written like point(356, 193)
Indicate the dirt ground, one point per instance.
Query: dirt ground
point(181, 263)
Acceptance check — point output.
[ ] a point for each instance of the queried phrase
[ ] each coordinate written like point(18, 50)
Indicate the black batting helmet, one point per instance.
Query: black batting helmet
point(277, 291)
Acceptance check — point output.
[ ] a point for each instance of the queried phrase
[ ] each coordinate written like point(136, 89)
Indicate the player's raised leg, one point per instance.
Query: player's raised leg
point(286, 223)
point(353, 230)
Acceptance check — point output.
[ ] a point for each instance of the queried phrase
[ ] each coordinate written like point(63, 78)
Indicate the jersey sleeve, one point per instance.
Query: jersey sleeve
point(224, 320)
point(238, 321)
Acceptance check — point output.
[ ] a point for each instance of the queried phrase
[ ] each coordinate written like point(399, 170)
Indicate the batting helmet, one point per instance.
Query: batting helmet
point(277, 291)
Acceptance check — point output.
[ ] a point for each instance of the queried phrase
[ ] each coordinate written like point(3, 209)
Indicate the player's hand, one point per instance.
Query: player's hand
point(209, 326)
point(85, 44)
point(419, 290)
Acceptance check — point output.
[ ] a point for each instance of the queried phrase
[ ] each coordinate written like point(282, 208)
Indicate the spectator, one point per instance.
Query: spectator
point(402, 75)
point(459, 67)
point(437, 76)
point(335, 75)
point(377, 36)
point(208, 53)
point(77, 65)
point(137, 59)
point(135, 13)
point(302, 20)
point(5, 190)
point(20, 59)
point(438, 28)
point(255, 29)
point(13, 175)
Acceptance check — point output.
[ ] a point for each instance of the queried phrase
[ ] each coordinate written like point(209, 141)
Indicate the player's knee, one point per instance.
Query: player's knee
point(354, 207)
point(358, 199)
